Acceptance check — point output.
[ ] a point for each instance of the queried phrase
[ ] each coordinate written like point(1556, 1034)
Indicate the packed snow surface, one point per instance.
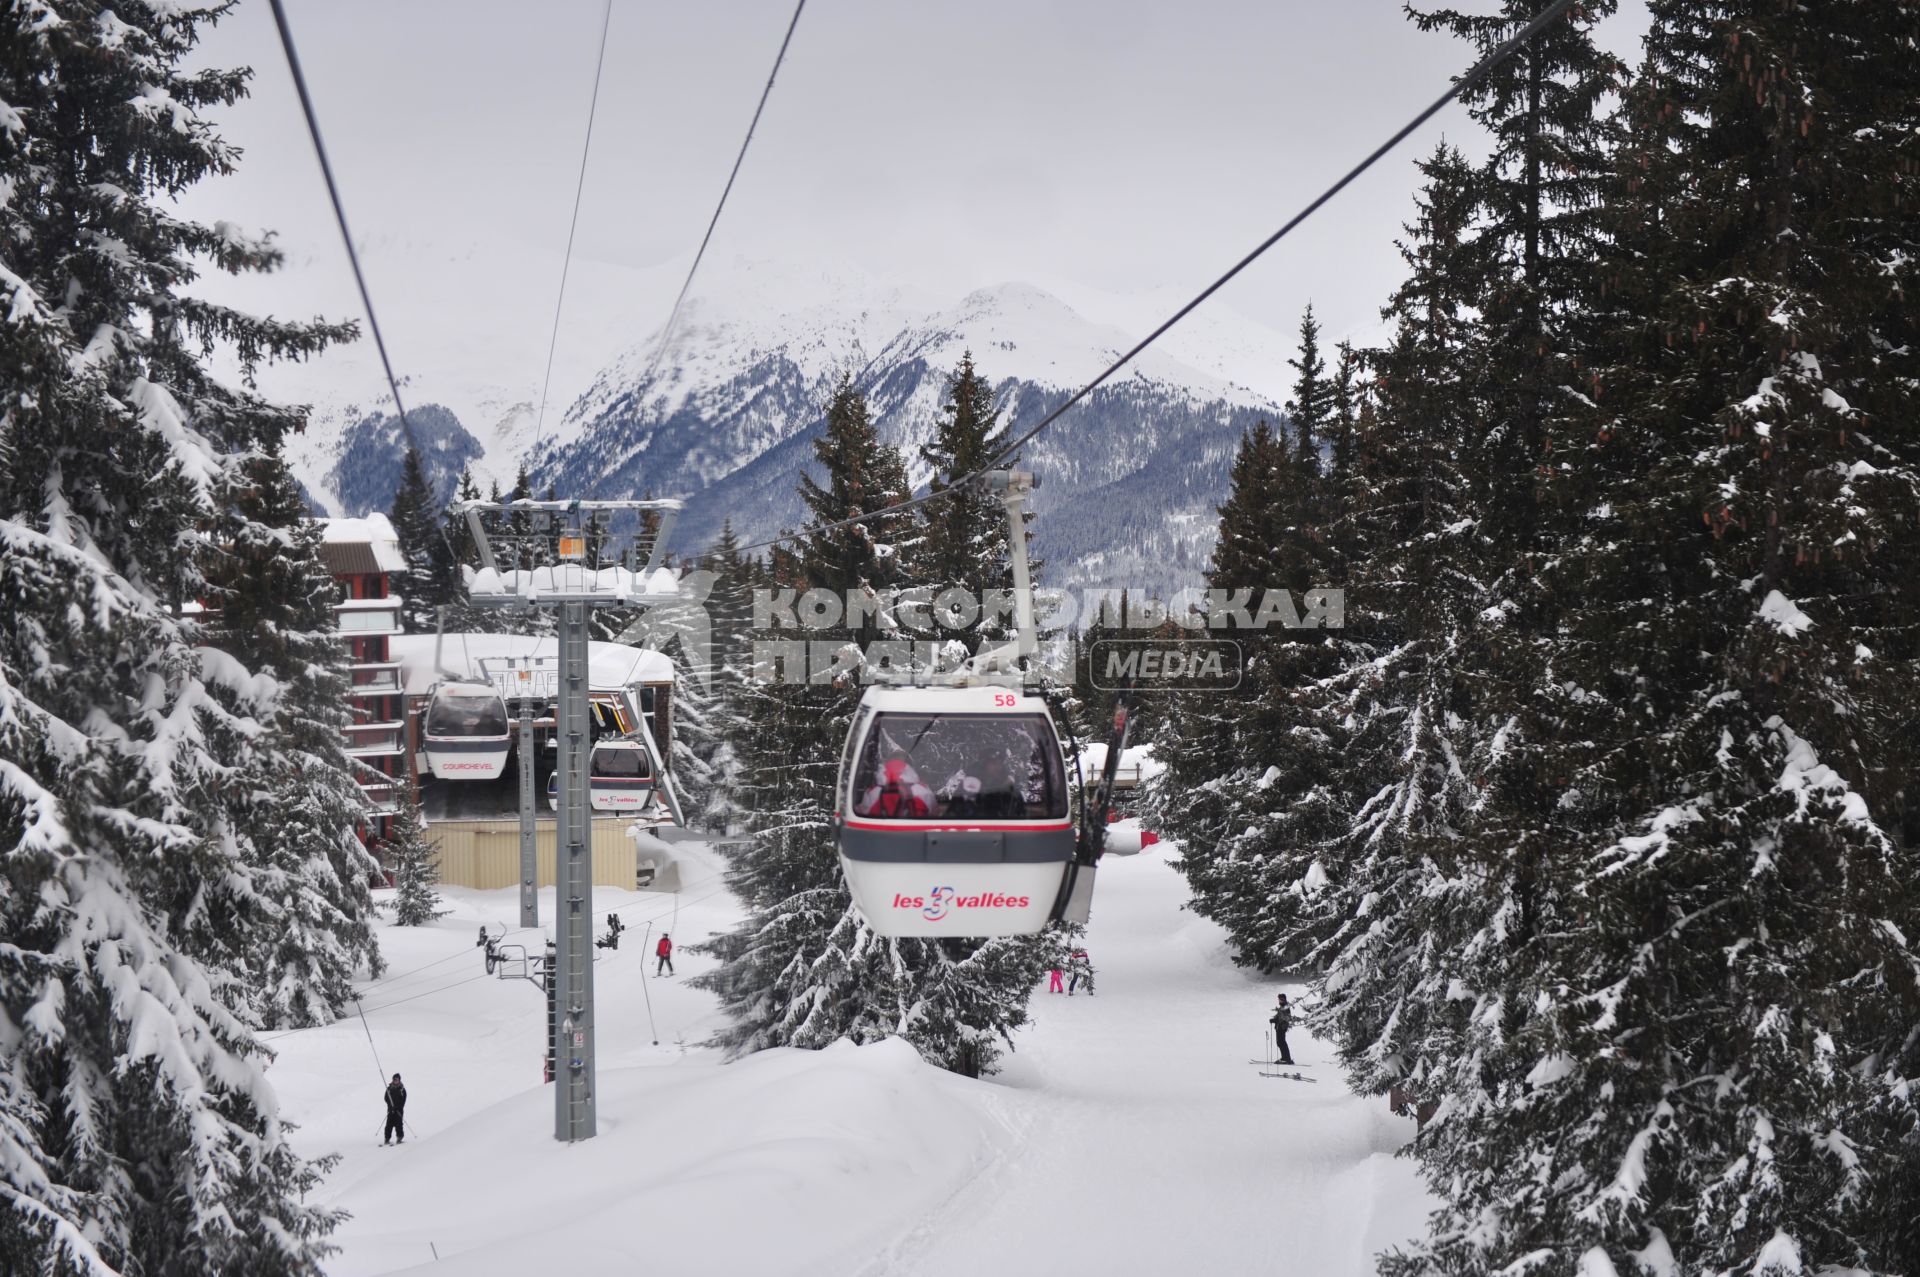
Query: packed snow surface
point(1128, 1133)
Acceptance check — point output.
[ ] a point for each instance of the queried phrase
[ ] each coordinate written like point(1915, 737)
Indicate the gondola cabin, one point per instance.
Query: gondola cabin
point(620, 778)
point(952, 812)
point(466, 734)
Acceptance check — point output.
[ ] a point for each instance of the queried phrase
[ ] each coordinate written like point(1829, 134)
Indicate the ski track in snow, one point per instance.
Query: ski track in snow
point(1148, 1145)
point(1126, 1133)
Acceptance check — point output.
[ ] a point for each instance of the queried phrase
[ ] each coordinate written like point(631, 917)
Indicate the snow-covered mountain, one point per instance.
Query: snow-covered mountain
point(726, 416)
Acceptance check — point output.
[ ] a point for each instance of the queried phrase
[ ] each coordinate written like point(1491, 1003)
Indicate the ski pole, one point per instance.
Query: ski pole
point(644, 988)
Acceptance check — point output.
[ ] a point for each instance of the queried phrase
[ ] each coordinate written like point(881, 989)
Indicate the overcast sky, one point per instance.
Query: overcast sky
point(1094, 147)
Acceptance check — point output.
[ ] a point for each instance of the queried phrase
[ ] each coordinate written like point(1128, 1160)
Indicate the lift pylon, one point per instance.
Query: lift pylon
point(555, 554)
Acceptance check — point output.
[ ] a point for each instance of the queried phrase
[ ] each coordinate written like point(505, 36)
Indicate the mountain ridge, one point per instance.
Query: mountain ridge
point(725, 418)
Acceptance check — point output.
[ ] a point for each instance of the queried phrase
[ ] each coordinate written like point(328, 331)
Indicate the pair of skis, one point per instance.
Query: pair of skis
point(1271, 1063)
point(1275, 1064)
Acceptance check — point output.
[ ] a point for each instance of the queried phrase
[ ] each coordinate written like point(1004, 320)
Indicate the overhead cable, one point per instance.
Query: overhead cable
point(579, 186)
point(1479, 72)
point(673, 316)
point(340, 214)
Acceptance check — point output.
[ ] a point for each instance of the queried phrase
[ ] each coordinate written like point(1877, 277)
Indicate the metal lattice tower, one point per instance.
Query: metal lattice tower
point(561, 555)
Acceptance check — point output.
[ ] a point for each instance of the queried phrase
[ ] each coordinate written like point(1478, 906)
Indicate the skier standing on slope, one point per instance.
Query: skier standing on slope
point(664, 952)
point(1282, 1021)
point(396, 1112)
point(1079, 967)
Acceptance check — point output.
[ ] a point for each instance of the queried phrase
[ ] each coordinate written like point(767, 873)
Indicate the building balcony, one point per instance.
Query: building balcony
point(368, 618)
point(375, 678)
point(375, 740)
point(382, 800)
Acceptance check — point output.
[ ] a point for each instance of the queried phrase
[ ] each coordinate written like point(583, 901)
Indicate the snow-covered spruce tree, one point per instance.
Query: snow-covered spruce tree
point(1443, 892)
point(1530, 250)
point(1387, 902)
point(453, 552)
point(1209, 742)
point(410, 858)
point(138, 1133)
point(1707, 1068)
point(1310, 407)
point(312, 912)
point(1250, 857)
point(429, 583)
point(730, 616)
point(965, 542)
point(698, 737)
point(803, 969)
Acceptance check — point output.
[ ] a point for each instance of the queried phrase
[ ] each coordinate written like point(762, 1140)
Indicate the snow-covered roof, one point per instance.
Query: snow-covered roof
point(610, 666)
point(1135, 760)
point(374, 532)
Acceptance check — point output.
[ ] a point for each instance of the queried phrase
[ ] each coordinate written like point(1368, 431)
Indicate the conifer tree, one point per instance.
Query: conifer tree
point(1744, 904)
point(863, 477)
point(138, 1130)
point(1311, 407)
point(1343, 418)
point(415, 868)
point(312, 927)
point(416, 522)
point(1252, 787)
point(730, 615)
point(1211, 742)
point(966, 531)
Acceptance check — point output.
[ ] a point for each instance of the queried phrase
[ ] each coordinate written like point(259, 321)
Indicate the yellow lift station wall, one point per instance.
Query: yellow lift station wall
point(486, 853)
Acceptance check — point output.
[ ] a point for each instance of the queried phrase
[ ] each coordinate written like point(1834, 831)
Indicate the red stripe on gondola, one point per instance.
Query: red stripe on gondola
point(905, 826)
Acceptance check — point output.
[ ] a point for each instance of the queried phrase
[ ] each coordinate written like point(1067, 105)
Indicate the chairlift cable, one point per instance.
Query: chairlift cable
point(353, 254)
point(579, 188)
point(1479, 72)
point(340, 215)
point(673, 316)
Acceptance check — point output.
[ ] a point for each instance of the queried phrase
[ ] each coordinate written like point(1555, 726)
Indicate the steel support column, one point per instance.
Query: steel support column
point(574, 1116)
point(529, 866)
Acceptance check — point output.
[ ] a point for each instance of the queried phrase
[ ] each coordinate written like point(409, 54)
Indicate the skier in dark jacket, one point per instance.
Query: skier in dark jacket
point(1282, 1021)
point(396, 1112)
point(664, 952)
point(1079, 968)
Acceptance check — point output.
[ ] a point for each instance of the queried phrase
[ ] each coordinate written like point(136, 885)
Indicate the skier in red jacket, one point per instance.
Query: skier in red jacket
point(664, 951)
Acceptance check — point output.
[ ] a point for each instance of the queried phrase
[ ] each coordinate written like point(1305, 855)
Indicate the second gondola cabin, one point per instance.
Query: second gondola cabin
point(952, 811)
point(620, 778)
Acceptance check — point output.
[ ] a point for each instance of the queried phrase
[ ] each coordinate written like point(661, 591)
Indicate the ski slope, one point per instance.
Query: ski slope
point(1148, 1142)
point(1127, 1134)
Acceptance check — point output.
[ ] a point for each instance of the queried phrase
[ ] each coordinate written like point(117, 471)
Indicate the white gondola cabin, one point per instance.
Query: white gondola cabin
point(466, 733)
point(952, 812)
point(620, 778)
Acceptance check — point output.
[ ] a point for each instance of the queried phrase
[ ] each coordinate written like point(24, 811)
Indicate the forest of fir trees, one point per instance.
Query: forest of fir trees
point(177, 811)
point(1595, 828)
